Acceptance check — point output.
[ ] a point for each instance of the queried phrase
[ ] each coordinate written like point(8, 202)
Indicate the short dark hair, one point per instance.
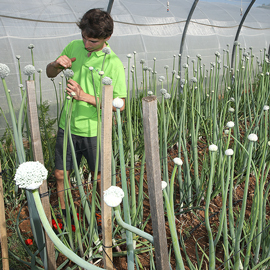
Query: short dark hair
point(96, 23)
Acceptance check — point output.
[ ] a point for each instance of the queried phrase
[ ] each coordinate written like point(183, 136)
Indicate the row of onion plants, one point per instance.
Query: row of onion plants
point(217, 120)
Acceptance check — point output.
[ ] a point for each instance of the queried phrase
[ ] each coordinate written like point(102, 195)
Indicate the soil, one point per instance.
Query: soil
point(190, 224)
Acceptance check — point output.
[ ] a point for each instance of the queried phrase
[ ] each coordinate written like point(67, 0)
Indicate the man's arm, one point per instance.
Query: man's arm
point(75, 90)
point(55, 67)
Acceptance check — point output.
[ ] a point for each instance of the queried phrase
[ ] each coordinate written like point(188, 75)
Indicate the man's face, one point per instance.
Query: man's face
point(94, 44)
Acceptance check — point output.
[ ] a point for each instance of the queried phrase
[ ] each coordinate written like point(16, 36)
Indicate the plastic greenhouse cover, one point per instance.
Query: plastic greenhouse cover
point(149, 27)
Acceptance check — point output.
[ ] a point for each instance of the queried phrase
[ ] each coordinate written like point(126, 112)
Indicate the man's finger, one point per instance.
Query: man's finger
point(73, 59)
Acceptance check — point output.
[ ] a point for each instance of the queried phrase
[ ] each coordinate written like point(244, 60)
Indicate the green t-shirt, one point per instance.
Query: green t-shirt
point(84, 116)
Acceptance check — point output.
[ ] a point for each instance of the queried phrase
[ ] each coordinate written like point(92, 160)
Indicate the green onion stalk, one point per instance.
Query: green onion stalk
point(265, 234)
point(130, 250)
point(57, 102)
point(228, 153)
point(31, 47)
point(163, 139)
point(135, 70)
point(25, 108)
point(94, 188)
point(131, 149)
point(60, 95)
point(66, 180)
point(194, 136)
point(154, 81)
point(139, 213)
point(171, 221)
point(212, 260)
point(253, 138)
point(255, 212)
point(145, 80)
point(261, 186)
point(43, 122)
point(224, 191)
point(177, 163)
point(130, 228)
point(182, 143)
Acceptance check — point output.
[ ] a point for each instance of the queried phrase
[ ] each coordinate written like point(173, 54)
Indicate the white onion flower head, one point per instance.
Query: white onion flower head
point(213, 148)
point(68, 73)
point(265, 107)
point(118, 103)
point(230, 124)
point(30, 175)
point(149, 93)
point(232, 99)
point(163, 185)
point(178, 161)
point(73, 94)
point(39, 70)
point(194, 80)
point(29, 70)
point(231, 109)
point(163, 91)
point(91, 68)
point(68, 97)
point(253, 137)
point(4, 71)
point(129, 55)
point(167, 96)
point(113, 196)
point(166, 66)
point(106, 50)
point(185, 65)
point(31, 46)
point(21, 85)
point(161, 78)
point(18, 56)
point(107, 81)
point(101, 73)
point(226, 131)
point(142, 61)
point(229, 152)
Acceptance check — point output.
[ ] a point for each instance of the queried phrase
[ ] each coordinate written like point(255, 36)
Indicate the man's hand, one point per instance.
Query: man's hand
point(75, 90)
point(64, 62)
point(55, 67)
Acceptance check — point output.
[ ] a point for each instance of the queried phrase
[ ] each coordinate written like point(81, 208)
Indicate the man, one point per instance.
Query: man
point(79, 55)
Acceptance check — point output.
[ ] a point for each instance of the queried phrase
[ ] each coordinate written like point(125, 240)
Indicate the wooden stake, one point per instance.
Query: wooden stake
point(106, 151)
point(3, 228)
point(38, 156)
point(150, 127)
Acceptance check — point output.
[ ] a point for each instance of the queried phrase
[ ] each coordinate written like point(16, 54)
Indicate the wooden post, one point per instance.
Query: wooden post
point(38, 156)
point(3, 228)
point(150, 127)
point(106, 175)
